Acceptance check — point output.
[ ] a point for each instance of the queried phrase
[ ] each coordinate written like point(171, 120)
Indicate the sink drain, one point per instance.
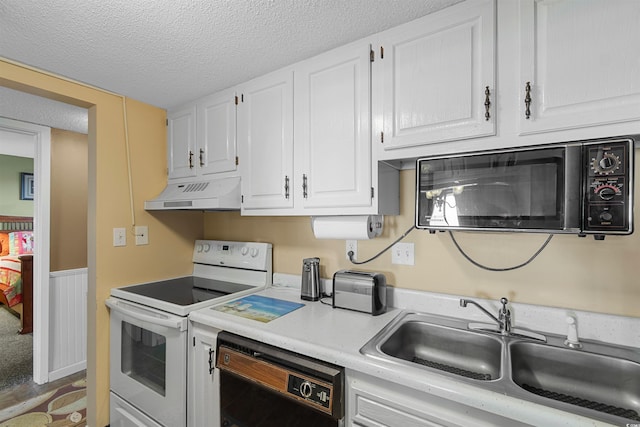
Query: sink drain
point(585, 403)
point(452, 369)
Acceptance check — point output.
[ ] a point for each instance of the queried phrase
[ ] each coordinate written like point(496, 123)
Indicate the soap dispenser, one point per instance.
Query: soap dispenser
point(572, 333)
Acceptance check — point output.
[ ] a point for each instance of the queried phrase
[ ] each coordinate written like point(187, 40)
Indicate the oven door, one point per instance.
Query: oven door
point(510, 190)
point(149, 361)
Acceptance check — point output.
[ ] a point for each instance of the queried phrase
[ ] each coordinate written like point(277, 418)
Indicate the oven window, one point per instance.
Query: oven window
point(144, 357)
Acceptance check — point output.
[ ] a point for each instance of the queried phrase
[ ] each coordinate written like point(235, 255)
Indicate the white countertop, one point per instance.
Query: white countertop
point(336, 336)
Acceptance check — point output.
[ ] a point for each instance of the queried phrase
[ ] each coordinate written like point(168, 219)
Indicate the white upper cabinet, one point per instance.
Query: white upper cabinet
point(435, 77)
point(202, 137)
point(333, 129)
point(265, 138)
point(181, 139)
point(318, 160)
point(581, 62)
point(216, 133)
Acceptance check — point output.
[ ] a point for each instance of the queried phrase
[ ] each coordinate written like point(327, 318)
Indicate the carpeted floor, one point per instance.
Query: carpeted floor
point(16, 351)
point(63, 407)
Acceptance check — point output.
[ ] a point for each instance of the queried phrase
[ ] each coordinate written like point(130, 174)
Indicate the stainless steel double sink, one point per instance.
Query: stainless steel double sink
point(599, 381)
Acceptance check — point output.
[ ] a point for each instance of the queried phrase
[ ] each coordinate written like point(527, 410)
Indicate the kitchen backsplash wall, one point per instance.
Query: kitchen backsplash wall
point(572, 272)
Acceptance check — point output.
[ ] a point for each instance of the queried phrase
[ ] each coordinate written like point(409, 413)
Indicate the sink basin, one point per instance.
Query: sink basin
point(456, 351)
point(606, 384)
point(600, 381)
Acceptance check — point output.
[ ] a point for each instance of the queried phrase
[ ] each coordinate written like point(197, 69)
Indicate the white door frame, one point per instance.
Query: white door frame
point(41, 226)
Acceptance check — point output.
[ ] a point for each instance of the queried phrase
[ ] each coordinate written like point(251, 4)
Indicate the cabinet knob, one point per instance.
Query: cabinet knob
point(487, 104)
point(286, 187)
point(304, 186)
point(527, 100)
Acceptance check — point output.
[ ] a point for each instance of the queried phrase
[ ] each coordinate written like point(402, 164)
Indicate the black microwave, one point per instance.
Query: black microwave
point(582, 187)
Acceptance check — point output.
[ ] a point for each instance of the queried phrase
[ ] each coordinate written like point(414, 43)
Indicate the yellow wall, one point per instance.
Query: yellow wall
point(572, 272)
point(69, 178)
point(171, 234)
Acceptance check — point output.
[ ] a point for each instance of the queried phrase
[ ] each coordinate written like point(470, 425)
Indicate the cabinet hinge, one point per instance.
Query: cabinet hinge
point(236, 97)
point(381, 52)
point(242, 97)
point(166, 122)
point(237, 161)
point(372, 56)
point(242, 199)
point(382, 137)
point(194, 341)
point(373, 192)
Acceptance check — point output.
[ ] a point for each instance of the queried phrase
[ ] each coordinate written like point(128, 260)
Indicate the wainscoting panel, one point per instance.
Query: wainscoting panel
point(68, 322)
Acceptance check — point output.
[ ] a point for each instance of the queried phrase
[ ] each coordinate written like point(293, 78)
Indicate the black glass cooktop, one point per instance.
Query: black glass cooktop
point(186, 290)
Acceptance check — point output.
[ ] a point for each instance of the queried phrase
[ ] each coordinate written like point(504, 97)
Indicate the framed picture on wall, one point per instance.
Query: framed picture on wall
point(26, 186)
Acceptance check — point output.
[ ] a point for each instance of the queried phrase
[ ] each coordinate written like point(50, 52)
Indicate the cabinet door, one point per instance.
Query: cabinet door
point(181, 140)
point(373, 402)
point(435, 75)
point(216, 134)
point(581, 61)
point(265, 138)
point(203, 382)
point(332, 128)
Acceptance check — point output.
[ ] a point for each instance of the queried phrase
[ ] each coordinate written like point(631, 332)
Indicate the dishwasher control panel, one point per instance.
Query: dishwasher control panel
point(309, 390)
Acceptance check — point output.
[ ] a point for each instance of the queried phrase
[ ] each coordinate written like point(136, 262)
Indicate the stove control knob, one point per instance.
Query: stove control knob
point(206, 247)
point(199, 248)
point(244, 251)
point(254, 252)
point(305, 389)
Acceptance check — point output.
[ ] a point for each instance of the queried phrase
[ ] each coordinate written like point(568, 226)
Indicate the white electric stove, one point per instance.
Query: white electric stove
point(149, 329)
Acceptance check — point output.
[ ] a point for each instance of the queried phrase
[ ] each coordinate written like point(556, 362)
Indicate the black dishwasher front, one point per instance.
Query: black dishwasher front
point(262, 385)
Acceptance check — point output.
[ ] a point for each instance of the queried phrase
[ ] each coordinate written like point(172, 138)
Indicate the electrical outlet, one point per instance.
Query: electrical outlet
point(402, 253)
point(142, 235)
point(352, 246)
point(119, 237)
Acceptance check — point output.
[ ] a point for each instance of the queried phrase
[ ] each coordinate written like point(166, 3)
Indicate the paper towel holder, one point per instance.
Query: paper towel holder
point(348, 227)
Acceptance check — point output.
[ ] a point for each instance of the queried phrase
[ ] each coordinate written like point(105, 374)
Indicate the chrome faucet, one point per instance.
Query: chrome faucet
point(504, 315)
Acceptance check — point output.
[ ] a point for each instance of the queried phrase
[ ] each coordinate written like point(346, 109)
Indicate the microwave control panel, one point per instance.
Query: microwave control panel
point(608, 187)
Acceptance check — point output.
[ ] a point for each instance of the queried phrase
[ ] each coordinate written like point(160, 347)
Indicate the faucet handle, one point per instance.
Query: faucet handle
point(505, 316)
point(504, 303)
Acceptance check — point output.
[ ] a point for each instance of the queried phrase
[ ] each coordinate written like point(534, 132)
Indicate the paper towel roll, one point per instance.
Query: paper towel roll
point(356, 227)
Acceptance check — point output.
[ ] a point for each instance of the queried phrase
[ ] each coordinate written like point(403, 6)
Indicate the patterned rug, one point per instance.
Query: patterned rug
point(63, 407)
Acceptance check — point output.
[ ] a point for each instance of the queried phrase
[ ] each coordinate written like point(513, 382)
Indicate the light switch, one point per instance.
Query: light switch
point(402, 253)
point(119, 237)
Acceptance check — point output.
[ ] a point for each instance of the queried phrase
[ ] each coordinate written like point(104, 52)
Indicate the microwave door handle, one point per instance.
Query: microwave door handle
point(126, 309)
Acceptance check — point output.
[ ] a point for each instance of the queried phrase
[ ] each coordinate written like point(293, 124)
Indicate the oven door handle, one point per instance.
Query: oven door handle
point(140, 313)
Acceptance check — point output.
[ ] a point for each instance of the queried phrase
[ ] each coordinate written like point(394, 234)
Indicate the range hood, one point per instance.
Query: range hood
point(206, 195)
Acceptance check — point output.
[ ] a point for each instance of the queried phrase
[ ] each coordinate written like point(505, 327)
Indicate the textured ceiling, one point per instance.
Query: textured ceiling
point(167, 52)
